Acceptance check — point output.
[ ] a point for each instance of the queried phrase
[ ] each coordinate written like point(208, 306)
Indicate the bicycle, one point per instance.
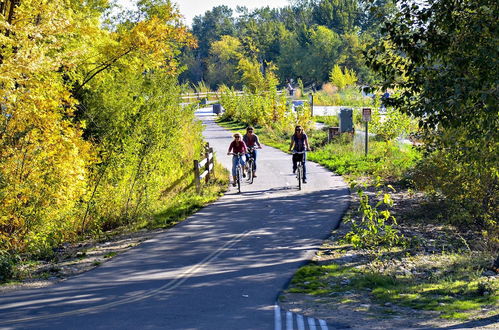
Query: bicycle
point(239, 170)
point(251, 167)
point(299, 168)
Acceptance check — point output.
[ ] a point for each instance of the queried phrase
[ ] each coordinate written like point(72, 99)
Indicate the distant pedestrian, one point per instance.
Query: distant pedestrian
point(290, 88)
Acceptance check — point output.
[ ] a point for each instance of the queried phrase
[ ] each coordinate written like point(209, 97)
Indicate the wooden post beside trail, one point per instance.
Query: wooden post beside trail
point(210, 162)
point(196, 176)
point(207, 165)
point(311, 100)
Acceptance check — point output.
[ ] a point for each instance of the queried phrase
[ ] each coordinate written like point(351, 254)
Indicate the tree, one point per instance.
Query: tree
point(443, 60)
point(262, 27)
point(309, 55)
point(322, 52)
point(208, 28)
point(338, 15)
point(223, 61)
point(87, 112)
point(43, 158)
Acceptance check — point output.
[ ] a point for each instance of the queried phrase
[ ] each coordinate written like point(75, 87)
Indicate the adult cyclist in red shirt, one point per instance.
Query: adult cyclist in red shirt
point(235, 147)
point(251, 141)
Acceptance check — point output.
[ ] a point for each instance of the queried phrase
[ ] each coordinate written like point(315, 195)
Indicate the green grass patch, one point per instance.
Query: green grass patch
point(458, 293)
point(385, 159)
point(452, 297)
point(344, 155)
point(183, 204)
point(232, 125)
point(110, 255)
point(331, 121)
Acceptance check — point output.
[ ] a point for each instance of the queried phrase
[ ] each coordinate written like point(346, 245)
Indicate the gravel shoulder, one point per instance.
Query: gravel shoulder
point(357, 308)
point(74, 259)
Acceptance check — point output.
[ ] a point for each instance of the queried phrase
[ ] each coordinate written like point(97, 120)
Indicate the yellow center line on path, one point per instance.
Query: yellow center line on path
point(181, 278)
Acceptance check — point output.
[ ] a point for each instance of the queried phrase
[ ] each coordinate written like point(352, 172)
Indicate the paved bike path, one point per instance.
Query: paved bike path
point(222, 268)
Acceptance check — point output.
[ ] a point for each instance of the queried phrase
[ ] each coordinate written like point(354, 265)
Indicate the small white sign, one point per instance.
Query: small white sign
point(366, 114)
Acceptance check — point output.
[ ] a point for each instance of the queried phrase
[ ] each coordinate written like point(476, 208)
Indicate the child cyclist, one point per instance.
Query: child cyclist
point(251, 141)
point(235, 147)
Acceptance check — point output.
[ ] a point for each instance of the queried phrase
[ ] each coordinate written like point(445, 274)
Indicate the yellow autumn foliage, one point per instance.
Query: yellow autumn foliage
point(54, 52)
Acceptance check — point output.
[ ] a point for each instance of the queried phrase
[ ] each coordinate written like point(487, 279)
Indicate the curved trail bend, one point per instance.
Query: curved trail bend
point(222, 268)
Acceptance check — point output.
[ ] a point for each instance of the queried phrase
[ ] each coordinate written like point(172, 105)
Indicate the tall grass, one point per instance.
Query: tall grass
point(349, 96)
point(387, 160)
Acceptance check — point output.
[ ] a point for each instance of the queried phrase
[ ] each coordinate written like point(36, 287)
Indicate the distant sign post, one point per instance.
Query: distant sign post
point(366, 116)
point(311, 102)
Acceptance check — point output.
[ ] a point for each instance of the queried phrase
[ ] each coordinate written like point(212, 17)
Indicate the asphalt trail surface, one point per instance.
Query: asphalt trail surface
point(222, 268)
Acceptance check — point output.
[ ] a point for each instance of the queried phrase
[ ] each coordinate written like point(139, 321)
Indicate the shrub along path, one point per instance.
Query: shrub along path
point(222, 268)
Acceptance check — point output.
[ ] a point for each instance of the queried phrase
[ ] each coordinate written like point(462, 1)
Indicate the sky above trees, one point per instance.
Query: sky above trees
point(191, 8)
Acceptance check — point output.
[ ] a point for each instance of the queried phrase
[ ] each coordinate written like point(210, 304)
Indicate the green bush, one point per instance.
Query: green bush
point(331, 121)
point(6, 266)
point(470, 190)
point(375, 227)
point(391, 125)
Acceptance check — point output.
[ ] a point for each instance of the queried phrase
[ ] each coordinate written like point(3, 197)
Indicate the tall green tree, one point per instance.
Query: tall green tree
point(263, 29)
point(207, 29)
point(338, 15)
point(223, 61)
point(443, 60)
point(309, 55)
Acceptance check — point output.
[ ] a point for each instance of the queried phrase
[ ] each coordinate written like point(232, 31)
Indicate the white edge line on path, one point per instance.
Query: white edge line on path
point(300, 322)
point(311, 323)
point(289, 321)
point(277, 318)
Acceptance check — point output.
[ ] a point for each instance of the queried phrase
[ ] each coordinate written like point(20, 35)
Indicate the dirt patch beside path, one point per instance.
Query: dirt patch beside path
point(74, 259)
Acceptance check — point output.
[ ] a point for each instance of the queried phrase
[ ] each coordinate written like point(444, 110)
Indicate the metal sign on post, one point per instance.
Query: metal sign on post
point(366, 116)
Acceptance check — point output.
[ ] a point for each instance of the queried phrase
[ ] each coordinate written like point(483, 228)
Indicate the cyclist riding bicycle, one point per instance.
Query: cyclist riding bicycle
point(251, 141)
point(299, 143)
point(237, 146)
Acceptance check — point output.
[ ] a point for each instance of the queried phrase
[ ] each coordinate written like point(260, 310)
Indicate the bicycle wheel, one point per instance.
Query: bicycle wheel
point(299, 175)
point(239, 175)
point(251, 169)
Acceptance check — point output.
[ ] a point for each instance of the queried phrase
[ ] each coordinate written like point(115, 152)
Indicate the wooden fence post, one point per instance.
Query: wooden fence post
point(210, 151)
point(196, 176)
point(207, 165)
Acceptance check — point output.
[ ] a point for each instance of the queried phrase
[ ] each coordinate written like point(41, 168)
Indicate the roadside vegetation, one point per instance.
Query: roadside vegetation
point(422, 231)
point(94, 143)
point(406, 247)
point(92, 138)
